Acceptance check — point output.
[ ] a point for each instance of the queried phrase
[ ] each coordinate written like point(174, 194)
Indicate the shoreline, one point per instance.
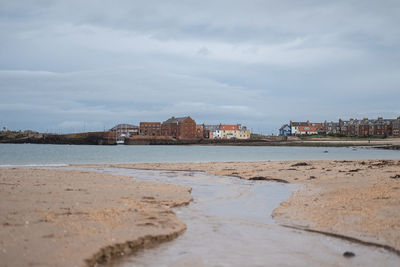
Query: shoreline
point(100, 138)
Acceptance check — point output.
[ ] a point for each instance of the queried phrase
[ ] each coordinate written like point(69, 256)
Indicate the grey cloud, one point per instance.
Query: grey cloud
point(132, 94)
point(257, 62)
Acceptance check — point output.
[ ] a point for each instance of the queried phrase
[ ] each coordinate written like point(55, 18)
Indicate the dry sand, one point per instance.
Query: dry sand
point(75, 218)
point(356, 199)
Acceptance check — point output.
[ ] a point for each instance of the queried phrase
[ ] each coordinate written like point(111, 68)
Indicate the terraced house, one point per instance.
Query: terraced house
point(227, 131)
point(396, 127)
point(353, 127)
point(210, 131)
point(367, 127)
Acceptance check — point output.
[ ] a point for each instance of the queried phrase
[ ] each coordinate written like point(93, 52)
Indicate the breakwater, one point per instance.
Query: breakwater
point(88, 138)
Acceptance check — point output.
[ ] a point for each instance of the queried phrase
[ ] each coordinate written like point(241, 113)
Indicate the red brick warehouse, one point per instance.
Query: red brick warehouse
point(183, 128)
point(150, 128)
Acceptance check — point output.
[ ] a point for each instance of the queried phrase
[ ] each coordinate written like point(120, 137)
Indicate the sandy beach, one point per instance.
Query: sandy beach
point(83, 217)
point(78, 218)
point(357, 199)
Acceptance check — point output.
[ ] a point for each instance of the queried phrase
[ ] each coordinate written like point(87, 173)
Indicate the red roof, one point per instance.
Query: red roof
point(227, 127)
point(307, 129)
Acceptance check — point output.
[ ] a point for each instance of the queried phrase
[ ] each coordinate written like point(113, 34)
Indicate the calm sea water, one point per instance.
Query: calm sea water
point(37, 154)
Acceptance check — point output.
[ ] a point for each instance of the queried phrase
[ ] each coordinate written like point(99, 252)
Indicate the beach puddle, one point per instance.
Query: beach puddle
point(229, 223)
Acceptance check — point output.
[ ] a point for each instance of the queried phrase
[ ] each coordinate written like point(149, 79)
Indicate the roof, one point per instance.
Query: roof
point(211, 127)
point(284, 126)
point(227, 127)
point(307, 128)
point(299, 123)
point(124, 126)
point(150, 123)
point(176, 120)
point(332, 123)
point(317, 124)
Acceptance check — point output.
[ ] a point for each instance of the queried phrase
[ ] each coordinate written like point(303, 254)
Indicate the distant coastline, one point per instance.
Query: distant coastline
point(108, 138)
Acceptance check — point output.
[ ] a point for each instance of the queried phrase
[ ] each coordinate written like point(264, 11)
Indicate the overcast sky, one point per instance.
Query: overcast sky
point(70, 65)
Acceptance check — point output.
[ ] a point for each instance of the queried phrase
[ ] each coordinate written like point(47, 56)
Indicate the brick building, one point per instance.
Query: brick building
point(200, 131)
point(396, 127)
point(367, 127)
point(183, 128)
point(150, 128)
point(382, 127)
point(353, 127)
point(332, 127)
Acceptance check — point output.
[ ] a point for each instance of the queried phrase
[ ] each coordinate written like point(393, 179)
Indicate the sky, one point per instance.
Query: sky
point(70, 66)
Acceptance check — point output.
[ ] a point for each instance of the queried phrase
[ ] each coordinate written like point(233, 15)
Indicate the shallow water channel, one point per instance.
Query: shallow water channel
point(229, 223)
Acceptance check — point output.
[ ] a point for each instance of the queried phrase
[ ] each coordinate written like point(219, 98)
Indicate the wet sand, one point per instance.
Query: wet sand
point(78, 218)
point(355, 199)
point(229, 223)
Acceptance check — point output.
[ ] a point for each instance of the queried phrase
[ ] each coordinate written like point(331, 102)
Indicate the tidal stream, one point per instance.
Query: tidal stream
point(229, 223)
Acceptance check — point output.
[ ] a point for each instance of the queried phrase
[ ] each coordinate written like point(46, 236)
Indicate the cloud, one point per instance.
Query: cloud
point(110, 96)
point(260, 63)
point(78, 126)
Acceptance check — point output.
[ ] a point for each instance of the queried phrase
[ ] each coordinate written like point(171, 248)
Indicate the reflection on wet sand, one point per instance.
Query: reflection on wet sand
point(229, 223)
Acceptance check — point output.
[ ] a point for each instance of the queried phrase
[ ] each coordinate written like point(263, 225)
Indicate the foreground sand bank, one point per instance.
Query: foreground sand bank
point(76, 218)
point(357, 199)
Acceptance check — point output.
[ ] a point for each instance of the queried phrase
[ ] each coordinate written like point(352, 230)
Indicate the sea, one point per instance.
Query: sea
point(44, 154)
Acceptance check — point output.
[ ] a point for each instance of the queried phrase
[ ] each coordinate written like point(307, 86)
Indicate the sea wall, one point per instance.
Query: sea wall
point(89, 138)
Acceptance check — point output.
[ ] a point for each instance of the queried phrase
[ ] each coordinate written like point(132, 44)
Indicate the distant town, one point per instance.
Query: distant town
point(352, 128)
point(183, 128)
